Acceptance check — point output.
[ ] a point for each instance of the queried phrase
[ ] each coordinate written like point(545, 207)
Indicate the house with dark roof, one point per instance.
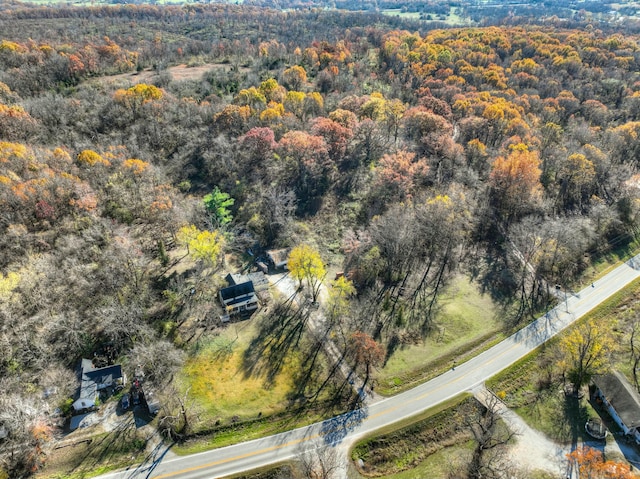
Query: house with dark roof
point(621, 400)
point(95, 380)
point(239, 298)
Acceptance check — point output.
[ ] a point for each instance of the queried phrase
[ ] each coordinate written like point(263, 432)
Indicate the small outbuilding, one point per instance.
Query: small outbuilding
point(621, 400)
point(278, 258)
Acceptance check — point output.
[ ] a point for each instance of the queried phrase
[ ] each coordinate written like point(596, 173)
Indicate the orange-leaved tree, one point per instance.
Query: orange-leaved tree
point(366, 352)
point(591, 464)
point(515, 181)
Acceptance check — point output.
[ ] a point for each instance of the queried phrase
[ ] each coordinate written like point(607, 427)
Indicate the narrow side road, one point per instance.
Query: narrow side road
point(345, 429)
point(317, 325)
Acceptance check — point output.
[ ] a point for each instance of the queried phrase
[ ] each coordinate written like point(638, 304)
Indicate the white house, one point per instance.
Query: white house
point(93, 380)
point(621, 400)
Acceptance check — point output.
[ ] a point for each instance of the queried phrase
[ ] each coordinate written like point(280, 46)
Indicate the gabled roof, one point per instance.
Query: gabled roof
point(92, 379)
point(237, 291)
point(622, 396)
point(105, 376)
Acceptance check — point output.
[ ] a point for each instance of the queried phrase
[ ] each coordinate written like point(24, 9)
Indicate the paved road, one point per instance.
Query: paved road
point(345, 429)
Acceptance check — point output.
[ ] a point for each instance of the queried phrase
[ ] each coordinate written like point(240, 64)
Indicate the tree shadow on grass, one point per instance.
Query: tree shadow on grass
point(112, 447)
point(150, 462)
point(277, 334)
point(575, 416)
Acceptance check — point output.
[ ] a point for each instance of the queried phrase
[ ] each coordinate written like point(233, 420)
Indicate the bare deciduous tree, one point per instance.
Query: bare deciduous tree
point(489, 459)
point(320, 463)
point(177, 414)
point(158, 359)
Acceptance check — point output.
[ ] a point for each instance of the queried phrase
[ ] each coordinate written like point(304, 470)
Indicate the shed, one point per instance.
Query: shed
point(279, 257)
point(621, 400)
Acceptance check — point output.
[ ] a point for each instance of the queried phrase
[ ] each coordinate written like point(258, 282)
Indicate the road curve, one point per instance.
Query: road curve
point(349, 427)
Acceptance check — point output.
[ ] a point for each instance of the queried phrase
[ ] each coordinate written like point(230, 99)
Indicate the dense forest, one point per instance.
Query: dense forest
point(403, 155)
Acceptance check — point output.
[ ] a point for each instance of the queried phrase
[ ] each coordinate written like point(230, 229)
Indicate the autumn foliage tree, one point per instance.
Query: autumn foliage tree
point(398, 175)
point(515, 182)
point(135, 97)
point(591, 464)
point(206, 246)
point(305, 265)
point(294, 77)
point(365, 352)
point(304, 164)
point(586, 351)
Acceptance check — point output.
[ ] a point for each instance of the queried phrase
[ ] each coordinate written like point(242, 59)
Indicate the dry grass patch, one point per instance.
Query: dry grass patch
point(222, 389)
point(406, 448)
point(95, 455)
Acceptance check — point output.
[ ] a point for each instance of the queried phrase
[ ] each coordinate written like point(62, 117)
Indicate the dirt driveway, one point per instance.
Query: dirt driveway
point(533, 451)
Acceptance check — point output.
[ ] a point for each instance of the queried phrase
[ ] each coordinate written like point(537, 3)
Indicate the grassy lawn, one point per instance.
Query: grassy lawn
point(404, 445)
point(237, 399)
point(559, 416)
point(222, 388)
point(97, 455)
point(452, 18)
point(431, 445)
point(468, 320)
point(603, 264)
point(396, 12)
point(438, 464)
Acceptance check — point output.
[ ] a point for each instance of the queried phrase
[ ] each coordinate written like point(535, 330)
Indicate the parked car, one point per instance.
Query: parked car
point(124, 401)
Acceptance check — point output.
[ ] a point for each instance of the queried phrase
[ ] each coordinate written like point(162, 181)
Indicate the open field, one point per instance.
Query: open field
point(180, 72)
point(235, 401)
point(220, 387)
point(452, 18)
point(467, 320)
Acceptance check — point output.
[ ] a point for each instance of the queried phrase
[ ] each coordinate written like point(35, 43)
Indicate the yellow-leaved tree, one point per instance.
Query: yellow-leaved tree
point(204, 245)
point(586, 350)
point(338, 305)
point(306, 264)
point(8, 283)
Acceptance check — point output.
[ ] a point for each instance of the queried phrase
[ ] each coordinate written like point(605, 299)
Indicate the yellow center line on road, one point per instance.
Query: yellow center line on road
point(380, 413)
point(240, 456)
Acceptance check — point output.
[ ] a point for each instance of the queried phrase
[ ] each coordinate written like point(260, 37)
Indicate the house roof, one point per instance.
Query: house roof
point(105, 376)
point(236, 291)
point(621, 395)
point(259, 280)
point(280, 257)
point(92, 379)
